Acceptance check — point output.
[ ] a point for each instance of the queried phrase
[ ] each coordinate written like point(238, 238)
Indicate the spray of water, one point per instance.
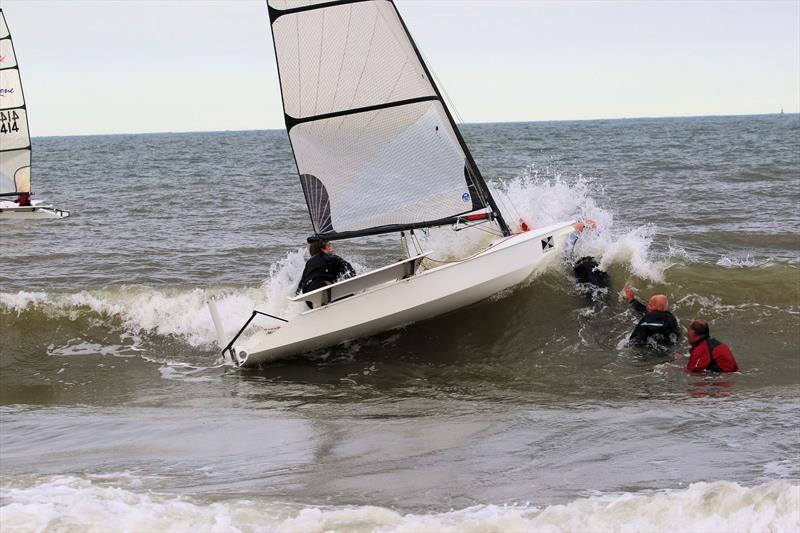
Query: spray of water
point(538, 196)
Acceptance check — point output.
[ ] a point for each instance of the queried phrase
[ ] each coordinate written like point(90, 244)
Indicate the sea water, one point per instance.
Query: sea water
point(526, 412)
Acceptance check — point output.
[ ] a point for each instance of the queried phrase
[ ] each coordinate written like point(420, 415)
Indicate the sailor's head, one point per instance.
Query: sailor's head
point(316, 247)
point(658, 302)
point(697, 330)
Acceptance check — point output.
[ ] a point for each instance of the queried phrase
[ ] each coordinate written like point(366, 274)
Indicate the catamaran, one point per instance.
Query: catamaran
point(15, 142)
point(377, 151)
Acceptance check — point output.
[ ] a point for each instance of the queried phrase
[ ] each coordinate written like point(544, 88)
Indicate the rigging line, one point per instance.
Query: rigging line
point(341, 63)
point(513, 206)
point(319, 62)
point(438, 81)
point(487, 230)
point(449, 102)
point(502, 198)
point(477, 225)
point(508, 201)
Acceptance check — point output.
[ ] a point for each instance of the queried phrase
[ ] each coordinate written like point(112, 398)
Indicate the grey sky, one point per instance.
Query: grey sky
point(144, 66)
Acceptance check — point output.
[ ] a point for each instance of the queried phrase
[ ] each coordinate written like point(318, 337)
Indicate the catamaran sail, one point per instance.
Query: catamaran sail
point(15, 140)
point(377, 151)
point(375, 145)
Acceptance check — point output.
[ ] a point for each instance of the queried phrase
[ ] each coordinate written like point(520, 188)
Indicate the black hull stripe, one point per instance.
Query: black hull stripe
point(292, 121)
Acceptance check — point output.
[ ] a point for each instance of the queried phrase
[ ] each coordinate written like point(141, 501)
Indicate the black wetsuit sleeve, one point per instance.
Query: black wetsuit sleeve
point(343, 268)
point(638, 306)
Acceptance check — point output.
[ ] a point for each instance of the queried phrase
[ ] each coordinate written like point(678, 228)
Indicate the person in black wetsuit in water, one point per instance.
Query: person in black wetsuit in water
point(658, 327)
point(588, 275)
point(323, 268)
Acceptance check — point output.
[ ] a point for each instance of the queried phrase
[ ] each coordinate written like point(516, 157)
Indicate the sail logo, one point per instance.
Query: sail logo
point(465, 197)
point(547, 243)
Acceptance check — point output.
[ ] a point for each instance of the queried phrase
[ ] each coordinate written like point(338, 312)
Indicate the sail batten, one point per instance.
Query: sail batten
point(374, 143)
point(292, 121)
point(15, 140)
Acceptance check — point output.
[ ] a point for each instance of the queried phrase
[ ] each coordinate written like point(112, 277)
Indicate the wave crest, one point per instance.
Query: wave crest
point(66, 503)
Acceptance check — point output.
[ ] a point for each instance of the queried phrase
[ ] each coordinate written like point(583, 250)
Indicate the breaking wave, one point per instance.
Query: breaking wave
point(538, 197)
point(65, 503)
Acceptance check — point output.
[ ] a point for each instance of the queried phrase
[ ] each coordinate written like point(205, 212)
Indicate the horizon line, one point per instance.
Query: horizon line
point(458, 123)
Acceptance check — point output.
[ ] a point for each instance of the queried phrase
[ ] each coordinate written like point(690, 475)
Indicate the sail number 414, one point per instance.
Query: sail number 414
point(8, 121)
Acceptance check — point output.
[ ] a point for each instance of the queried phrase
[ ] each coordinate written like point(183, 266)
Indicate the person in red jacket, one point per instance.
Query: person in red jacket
point(708, 354)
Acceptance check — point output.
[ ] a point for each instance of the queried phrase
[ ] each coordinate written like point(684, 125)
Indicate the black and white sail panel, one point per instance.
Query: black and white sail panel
point(373, 142)
point(15, 142)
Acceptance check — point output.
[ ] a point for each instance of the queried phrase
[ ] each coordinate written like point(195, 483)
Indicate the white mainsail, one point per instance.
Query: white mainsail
point(374, 143)
point(15, 141)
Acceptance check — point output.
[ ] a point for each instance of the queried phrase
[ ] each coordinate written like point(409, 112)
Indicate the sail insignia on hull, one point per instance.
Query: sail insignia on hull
point(15, 141)
point(375, 145)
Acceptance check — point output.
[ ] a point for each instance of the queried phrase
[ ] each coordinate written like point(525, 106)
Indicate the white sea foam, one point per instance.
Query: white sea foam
point(540, 198)
point(543, 196)
point(169, 311)
point(744, 262)
point(66, 503)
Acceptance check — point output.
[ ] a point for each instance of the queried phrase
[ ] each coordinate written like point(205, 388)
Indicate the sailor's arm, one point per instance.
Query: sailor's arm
point(343, 268)
point(628, 294)
point(569, 248)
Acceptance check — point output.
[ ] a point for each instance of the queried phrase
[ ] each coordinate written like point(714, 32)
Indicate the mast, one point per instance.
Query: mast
point(476, 173)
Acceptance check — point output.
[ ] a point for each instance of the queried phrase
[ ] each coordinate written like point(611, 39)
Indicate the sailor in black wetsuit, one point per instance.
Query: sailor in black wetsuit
point(657, 325)
point(591, 280)
point(323, 268)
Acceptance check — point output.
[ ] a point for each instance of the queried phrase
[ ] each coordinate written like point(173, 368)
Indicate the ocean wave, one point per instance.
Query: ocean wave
point(166, 311)
point(538, 196)
point(182, 312)
point(744, 262)
point(63, 503)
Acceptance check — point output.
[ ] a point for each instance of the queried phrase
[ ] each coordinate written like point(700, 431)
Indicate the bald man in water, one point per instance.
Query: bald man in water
point(657, 325)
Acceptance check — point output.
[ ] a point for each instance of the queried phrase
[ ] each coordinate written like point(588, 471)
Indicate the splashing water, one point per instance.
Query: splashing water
point(538, 197)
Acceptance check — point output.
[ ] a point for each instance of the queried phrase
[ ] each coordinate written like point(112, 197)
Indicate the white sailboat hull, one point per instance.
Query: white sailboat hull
point(39, 210)
point(507, 262)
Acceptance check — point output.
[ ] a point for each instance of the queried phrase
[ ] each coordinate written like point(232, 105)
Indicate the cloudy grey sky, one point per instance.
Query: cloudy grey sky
point(208, 65)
